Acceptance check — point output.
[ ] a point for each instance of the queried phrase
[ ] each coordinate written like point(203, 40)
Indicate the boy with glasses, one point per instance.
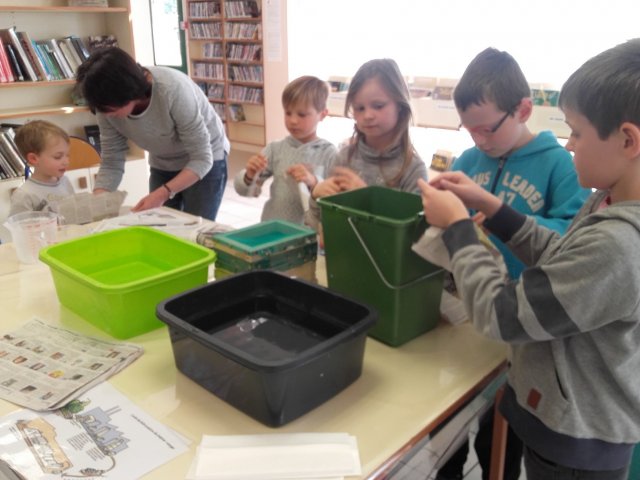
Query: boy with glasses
point(531, 173)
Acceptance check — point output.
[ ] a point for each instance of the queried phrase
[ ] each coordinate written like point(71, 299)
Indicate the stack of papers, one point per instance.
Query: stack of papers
point(318, 456)
point(43, 367)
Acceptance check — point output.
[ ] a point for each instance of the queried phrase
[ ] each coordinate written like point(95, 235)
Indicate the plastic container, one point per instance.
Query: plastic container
point(115, 279)
point(272, 346)
point(368, 234)
point(31, 231)
point(273, 244)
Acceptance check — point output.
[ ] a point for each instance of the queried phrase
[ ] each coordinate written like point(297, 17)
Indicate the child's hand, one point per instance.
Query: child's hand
point(326, 187)
point(255, 165)
point(441, 208)
point(347, 179)
point(472, 195)
point(302, 173)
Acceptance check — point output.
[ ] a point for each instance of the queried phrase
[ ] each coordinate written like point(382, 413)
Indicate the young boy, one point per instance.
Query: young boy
point(573, 318)
point(45, 146)
point(296, 161)
point(532, 173)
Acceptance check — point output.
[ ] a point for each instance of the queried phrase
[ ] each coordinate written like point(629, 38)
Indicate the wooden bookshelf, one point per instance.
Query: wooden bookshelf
point(225, 56)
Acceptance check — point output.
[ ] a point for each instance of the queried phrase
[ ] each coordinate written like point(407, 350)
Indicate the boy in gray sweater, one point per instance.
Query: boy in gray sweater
point(573, 318)
point(297, 161)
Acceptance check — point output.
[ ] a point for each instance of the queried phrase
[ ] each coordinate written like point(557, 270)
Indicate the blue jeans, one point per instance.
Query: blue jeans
point(538, 468)
point(203, 198)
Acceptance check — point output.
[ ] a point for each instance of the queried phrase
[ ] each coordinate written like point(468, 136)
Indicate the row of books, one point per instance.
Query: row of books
point(234, 51)
point(12, 163)
point(204, 9)
point(25, 59)
point(241, 9)
point(241, 51)
point(246, 73)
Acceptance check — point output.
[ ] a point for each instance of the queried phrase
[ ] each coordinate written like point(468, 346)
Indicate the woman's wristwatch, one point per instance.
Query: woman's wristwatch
point(171, 192)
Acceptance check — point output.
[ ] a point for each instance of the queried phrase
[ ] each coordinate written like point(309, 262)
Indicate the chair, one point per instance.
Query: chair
point(82, 155)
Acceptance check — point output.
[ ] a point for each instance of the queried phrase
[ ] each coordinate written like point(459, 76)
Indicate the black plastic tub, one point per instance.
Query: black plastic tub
point(272, 346)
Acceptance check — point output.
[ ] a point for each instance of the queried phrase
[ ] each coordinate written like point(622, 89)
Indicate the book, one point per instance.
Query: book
point(5, 63)
point(70, 55)
point(27, 46)
point(13, 155)
point(80, 46)
point(545, 98)
point(441, 92)
point(15, 65)
point(5, 167)
point(97, 42)
point(93, 136)
point(43, 60)
point(88, 3)
point(49, 61)
point(236, 113)
point(3, 75)
point(62, 61)
point(10, 37)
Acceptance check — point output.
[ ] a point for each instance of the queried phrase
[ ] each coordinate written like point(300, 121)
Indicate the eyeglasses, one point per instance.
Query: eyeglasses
point(484, 131)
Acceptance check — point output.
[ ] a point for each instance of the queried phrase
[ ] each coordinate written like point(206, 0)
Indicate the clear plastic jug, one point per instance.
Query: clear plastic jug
point(31, 231)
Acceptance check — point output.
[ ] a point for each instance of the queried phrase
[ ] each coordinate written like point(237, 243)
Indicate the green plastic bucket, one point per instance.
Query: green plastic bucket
point(115, 279)
point(368, 234)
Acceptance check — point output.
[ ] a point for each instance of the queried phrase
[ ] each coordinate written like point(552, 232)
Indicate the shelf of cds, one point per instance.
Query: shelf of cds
point(225, 50)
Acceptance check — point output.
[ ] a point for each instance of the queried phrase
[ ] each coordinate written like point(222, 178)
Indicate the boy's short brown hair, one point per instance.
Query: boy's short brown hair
point(492, 76)
point(32, 136)
point(306, 90)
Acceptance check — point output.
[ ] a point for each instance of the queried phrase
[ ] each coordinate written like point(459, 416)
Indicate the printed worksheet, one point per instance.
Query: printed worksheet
point(101, 435)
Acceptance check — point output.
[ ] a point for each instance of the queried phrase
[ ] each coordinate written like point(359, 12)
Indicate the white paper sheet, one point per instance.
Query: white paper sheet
point(276, 456)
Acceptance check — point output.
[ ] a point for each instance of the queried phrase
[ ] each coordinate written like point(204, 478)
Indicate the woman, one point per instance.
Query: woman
point(164, 112)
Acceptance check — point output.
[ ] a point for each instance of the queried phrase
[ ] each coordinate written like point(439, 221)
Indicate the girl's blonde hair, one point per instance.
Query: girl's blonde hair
point(388, 74)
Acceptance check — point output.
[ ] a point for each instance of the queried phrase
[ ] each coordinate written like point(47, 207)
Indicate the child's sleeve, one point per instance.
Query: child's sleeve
point(255, 189)
point(240, 187)
point(22, 201)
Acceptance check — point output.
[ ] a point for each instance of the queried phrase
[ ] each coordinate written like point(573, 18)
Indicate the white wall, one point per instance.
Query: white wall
point(549, 38)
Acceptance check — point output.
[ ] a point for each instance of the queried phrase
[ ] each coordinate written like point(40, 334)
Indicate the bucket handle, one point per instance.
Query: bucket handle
point(377, 267)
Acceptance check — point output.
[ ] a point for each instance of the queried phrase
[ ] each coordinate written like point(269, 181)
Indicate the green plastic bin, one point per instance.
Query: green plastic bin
point(270, 245)
point(368, 234)
point(634, 472)
point(115, 279)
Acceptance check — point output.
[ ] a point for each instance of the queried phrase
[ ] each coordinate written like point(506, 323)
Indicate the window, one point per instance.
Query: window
point(168, 39)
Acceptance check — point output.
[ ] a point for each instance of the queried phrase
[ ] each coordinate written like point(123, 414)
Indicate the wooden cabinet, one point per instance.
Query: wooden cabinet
point(225, 51)
point(52, 100)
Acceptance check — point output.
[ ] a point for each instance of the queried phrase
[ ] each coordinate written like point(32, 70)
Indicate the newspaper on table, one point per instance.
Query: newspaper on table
point(100, 435)
point(174, 222)
point(86, 207)
point(43, 367)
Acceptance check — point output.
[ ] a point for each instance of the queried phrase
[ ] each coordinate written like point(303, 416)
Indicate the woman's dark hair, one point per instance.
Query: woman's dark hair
point(110, 77)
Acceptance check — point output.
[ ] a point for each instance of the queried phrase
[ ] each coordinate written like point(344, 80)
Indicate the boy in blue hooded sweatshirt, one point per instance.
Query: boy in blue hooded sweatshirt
point(532, 173)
